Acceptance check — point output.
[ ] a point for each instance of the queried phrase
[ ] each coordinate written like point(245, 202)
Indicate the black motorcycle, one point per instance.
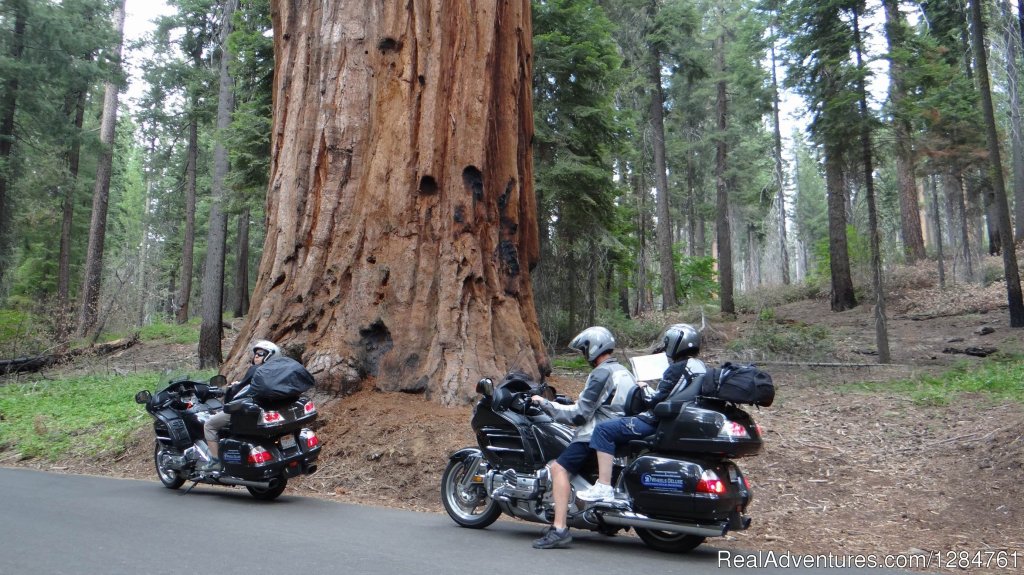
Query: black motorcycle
point(263, 446)
point(675, 488)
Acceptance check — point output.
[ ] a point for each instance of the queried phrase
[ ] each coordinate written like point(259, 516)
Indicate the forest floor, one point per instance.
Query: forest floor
point(845, 471)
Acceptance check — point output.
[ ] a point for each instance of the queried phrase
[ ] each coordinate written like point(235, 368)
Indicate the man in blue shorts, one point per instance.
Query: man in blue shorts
point(595, 405)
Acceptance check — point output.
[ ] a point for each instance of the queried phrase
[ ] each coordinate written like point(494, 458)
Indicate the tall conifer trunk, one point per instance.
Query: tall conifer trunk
point(212, 301)
point(910, 209)
point(1002, 209)
point(90, 293)
point(8, 108)
point(723, 232)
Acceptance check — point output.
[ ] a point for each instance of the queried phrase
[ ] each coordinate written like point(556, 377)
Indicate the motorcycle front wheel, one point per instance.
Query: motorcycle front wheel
point(470, 506)
point(668, 542)
point(270, 493)
point(171, 478)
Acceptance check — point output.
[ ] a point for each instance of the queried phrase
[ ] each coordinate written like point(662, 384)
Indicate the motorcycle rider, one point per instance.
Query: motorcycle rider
point(682, 345)
point(262, 351)
point(596, 344)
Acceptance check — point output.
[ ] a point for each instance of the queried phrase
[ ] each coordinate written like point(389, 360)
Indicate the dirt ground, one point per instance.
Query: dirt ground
point(843, 472)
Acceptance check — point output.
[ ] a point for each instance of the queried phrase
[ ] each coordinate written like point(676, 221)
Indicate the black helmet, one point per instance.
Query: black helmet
point(681, 340)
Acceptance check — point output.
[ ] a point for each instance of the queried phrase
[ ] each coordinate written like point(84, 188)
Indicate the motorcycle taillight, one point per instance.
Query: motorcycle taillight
point(310, 438)
point(309, 408)
point(259, 456)
point(710, 483)
point(733, 430)
point(270, 418)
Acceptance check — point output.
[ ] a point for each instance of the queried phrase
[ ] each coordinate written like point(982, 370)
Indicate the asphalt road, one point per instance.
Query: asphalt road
point(86, 525)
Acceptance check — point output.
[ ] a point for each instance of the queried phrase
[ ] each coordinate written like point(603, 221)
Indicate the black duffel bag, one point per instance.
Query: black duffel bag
point(739, 384)
point(279, 379)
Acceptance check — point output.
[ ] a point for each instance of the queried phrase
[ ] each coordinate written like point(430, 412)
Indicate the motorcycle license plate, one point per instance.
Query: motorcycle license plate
point(287, 442)
point(733, 476)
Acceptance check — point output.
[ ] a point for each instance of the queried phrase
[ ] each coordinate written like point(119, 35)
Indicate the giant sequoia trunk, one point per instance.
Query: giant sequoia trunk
point(401, 213)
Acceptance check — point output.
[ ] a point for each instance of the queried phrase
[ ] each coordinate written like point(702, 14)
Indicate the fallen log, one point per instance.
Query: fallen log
point(36, 363)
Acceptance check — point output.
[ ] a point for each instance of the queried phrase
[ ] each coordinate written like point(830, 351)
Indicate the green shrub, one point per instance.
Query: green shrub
point(22, 333)
point(1001, 379)
point(696, 278)
point(170, 332)
point(570, 363)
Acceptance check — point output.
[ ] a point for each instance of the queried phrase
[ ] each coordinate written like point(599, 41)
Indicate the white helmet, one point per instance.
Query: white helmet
point(267, 346)
point(593, 341)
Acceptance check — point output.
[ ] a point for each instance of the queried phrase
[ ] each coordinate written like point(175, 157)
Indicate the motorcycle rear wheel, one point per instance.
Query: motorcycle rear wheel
point(668, 542)
point(171, 478)
point(471, 507)
point(272, 493)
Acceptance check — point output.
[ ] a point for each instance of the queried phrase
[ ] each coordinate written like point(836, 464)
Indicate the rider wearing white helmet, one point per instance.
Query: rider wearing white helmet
point(262, 352)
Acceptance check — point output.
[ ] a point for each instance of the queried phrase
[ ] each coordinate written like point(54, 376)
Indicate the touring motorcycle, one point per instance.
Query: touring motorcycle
point(264, 445)
point(675, 488)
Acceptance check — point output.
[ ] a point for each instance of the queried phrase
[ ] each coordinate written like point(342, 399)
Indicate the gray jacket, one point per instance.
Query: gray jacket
point(602, 399)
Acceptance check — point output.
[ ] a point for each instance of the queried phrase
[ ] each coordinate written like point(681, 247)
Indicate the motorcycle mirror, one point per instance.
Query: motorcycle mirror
point(485, 387)
point(143, 397)
point(218, 380)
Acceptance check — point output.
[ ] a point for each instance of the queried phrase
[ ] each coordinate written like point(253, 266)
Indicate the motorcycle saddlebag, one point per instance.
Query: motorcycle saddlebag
point(279, 379)
point(664, 487)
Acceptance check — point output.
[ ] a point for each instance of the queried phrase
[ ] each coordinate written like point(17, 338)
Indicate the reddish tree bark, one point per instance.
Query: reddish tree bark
point(401, 213)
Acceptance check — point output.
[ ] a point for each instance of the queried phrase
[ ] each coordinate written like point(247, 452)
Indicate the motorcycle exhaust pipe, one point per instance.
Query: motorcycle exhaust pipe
point(247, 483)
point(627, 519)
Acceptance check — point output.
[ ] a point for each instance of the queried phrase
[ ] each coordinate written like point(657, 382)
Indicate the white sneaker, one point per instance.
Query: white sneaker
point(599, 492)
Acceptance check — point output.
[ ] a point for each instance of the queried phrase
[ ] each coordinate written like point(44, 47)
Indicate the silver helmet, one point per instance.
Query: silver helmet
point(681, 339)
point(592, 342)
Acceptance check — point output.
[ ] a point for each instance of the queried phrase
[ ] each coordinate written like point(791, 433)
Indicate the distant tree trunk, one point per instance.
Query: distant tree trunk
point(780, 182)
point(592, 265)
point(188, 239)
point(212, 301)
point(881, 330)
point(691, 210)
point(144, 256)
point(666, 259)
point(8, 107)
point(64, 312)
point(402, 227)
point(954, 186)
point(1013, 52)
point(241, 298)
point(843, 297)
point(1012, 274)
point(910, 209)
point(90, 293)
point(938, 230)
point(640, 193)
point(723, 233)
